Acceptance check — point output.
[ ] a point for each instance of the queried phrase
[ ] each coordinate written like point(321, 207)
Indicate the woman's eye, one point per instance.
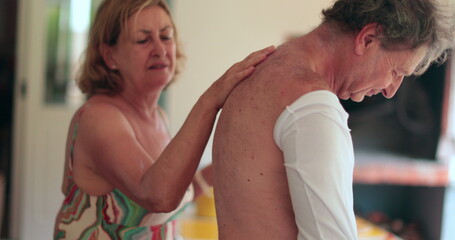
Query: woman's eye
point(142, 41)
point(166, 37)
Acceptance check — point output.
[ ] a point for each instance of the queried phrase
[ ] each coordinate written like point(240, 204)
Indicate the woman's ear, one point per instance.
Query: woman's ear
point(367, 37)
point(106, 53)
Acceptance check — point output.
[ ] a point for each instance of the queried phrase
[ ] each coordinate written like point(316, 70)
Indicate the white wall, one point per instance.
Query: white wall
point(217, 33)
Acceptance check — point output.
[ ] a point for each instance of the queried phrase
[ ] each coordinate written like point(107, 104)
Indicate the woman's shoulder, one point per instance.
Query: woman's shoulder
point(101, 110)
point(102, 104)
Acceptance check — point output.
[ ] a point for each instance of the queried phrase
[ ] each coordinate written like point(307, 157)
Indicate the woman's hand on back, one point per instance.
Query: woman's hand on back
point(220, 89)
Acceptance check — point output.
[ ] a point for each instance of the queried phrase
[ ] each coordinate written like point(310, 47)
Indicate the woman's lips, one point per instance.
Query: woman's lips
point(158, 66)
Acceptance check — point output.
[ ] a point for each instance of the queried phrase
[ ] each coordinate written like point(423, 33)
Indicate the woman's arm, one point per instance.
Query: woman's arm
point(181, 157)
point(156, 182)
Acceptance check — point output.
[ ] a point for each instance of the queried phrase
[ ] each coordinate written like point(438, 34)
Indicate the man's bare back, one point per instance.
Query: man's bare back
point(283, 154)
point(251, 188)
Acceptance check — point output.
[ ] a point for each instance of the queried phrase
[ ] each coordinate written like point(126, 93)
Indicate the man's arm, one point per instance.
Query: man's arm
point(318, 155)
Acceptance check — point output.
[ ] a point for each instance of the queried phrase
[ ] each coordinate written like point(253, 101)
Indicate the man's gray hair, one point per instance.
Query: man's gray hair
point(404, 23)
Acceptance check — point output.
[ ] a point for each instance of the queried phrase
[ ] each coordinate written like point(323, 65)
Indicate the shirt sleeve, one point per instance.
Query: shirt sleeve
point(318, 156)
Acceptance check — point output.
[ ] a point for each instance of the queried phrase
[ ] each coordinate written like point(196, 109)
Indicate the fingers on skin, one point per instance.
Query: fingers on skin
point(258, 56)
point(245, 68)
point(266, 51)
point(237, 73)
point(245, 73)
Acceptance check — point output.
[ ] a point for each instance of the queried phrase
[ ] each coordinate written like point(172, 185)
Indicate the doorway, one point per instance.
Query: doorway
point(8, 16)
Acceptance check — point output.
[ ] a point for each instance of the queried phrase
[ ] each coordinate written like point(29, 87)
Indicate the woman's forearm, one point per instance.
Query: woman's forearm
point(172, 173)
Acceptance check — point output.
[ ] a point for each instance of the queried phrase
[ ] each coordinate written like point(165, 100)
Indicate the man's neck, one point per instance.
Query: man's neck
point(322, 51)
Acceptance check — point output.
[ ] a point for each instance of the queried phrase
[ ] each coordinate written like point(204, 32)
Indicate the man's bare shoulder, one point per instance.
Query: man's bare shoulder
point(307, 80)
point(290, 80)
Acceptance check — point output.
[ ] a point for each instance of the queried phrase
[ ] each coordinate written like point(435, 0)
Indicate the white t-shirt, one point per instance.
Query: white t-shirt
point(318, 155)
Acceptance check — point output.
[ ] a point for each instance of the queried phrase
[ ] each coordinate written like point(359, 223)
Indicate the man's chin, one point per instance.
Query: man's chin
point(357, 98)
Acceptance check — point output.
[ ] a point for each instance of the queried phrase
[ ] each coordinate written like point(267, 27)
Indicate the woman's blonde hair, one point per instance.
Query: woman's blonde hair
point(111, 18)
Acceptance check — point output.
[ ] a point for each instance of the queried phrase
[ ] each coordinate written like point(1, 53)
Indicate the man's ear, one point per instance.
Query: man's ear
point(106, 53)
point(366, 37)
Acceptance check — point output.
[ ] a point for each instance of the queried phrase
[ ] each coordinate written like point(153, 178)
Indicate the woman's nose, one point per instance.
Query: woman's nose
point(159, 49)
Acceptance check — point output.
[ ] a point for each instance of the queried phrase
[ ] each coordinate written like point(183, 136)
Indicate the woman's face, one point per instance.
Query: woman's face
point(384, 72)
point(145, 54)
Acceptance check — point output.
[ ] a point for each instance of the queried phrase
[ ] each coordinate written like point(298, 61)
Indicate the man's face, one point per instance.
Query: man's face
point(384, 70)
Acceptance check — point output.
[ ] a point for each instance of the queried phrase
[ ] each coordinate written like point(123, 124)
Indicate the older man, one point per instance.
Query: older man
point(283, 154)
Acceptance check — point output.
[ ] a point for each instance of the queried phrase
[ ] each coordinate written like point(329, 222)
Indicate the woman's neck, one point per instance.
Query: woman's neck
point(144, 105)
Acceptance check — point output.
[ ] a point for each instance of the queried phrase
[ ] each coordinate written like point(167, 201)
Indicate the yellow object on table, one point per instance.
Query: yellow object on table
point(206, 205)
point(199, 229)
point(202, 224)
point(368, 231)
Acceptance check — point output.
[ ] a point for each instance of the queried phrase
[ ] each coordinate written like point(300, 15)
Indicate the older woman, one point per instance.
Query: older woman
point(124, 177)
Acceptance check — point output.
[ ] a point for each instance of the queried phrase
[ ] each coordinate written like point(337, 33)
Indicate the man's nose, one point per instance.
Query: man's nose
point(392, 89)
